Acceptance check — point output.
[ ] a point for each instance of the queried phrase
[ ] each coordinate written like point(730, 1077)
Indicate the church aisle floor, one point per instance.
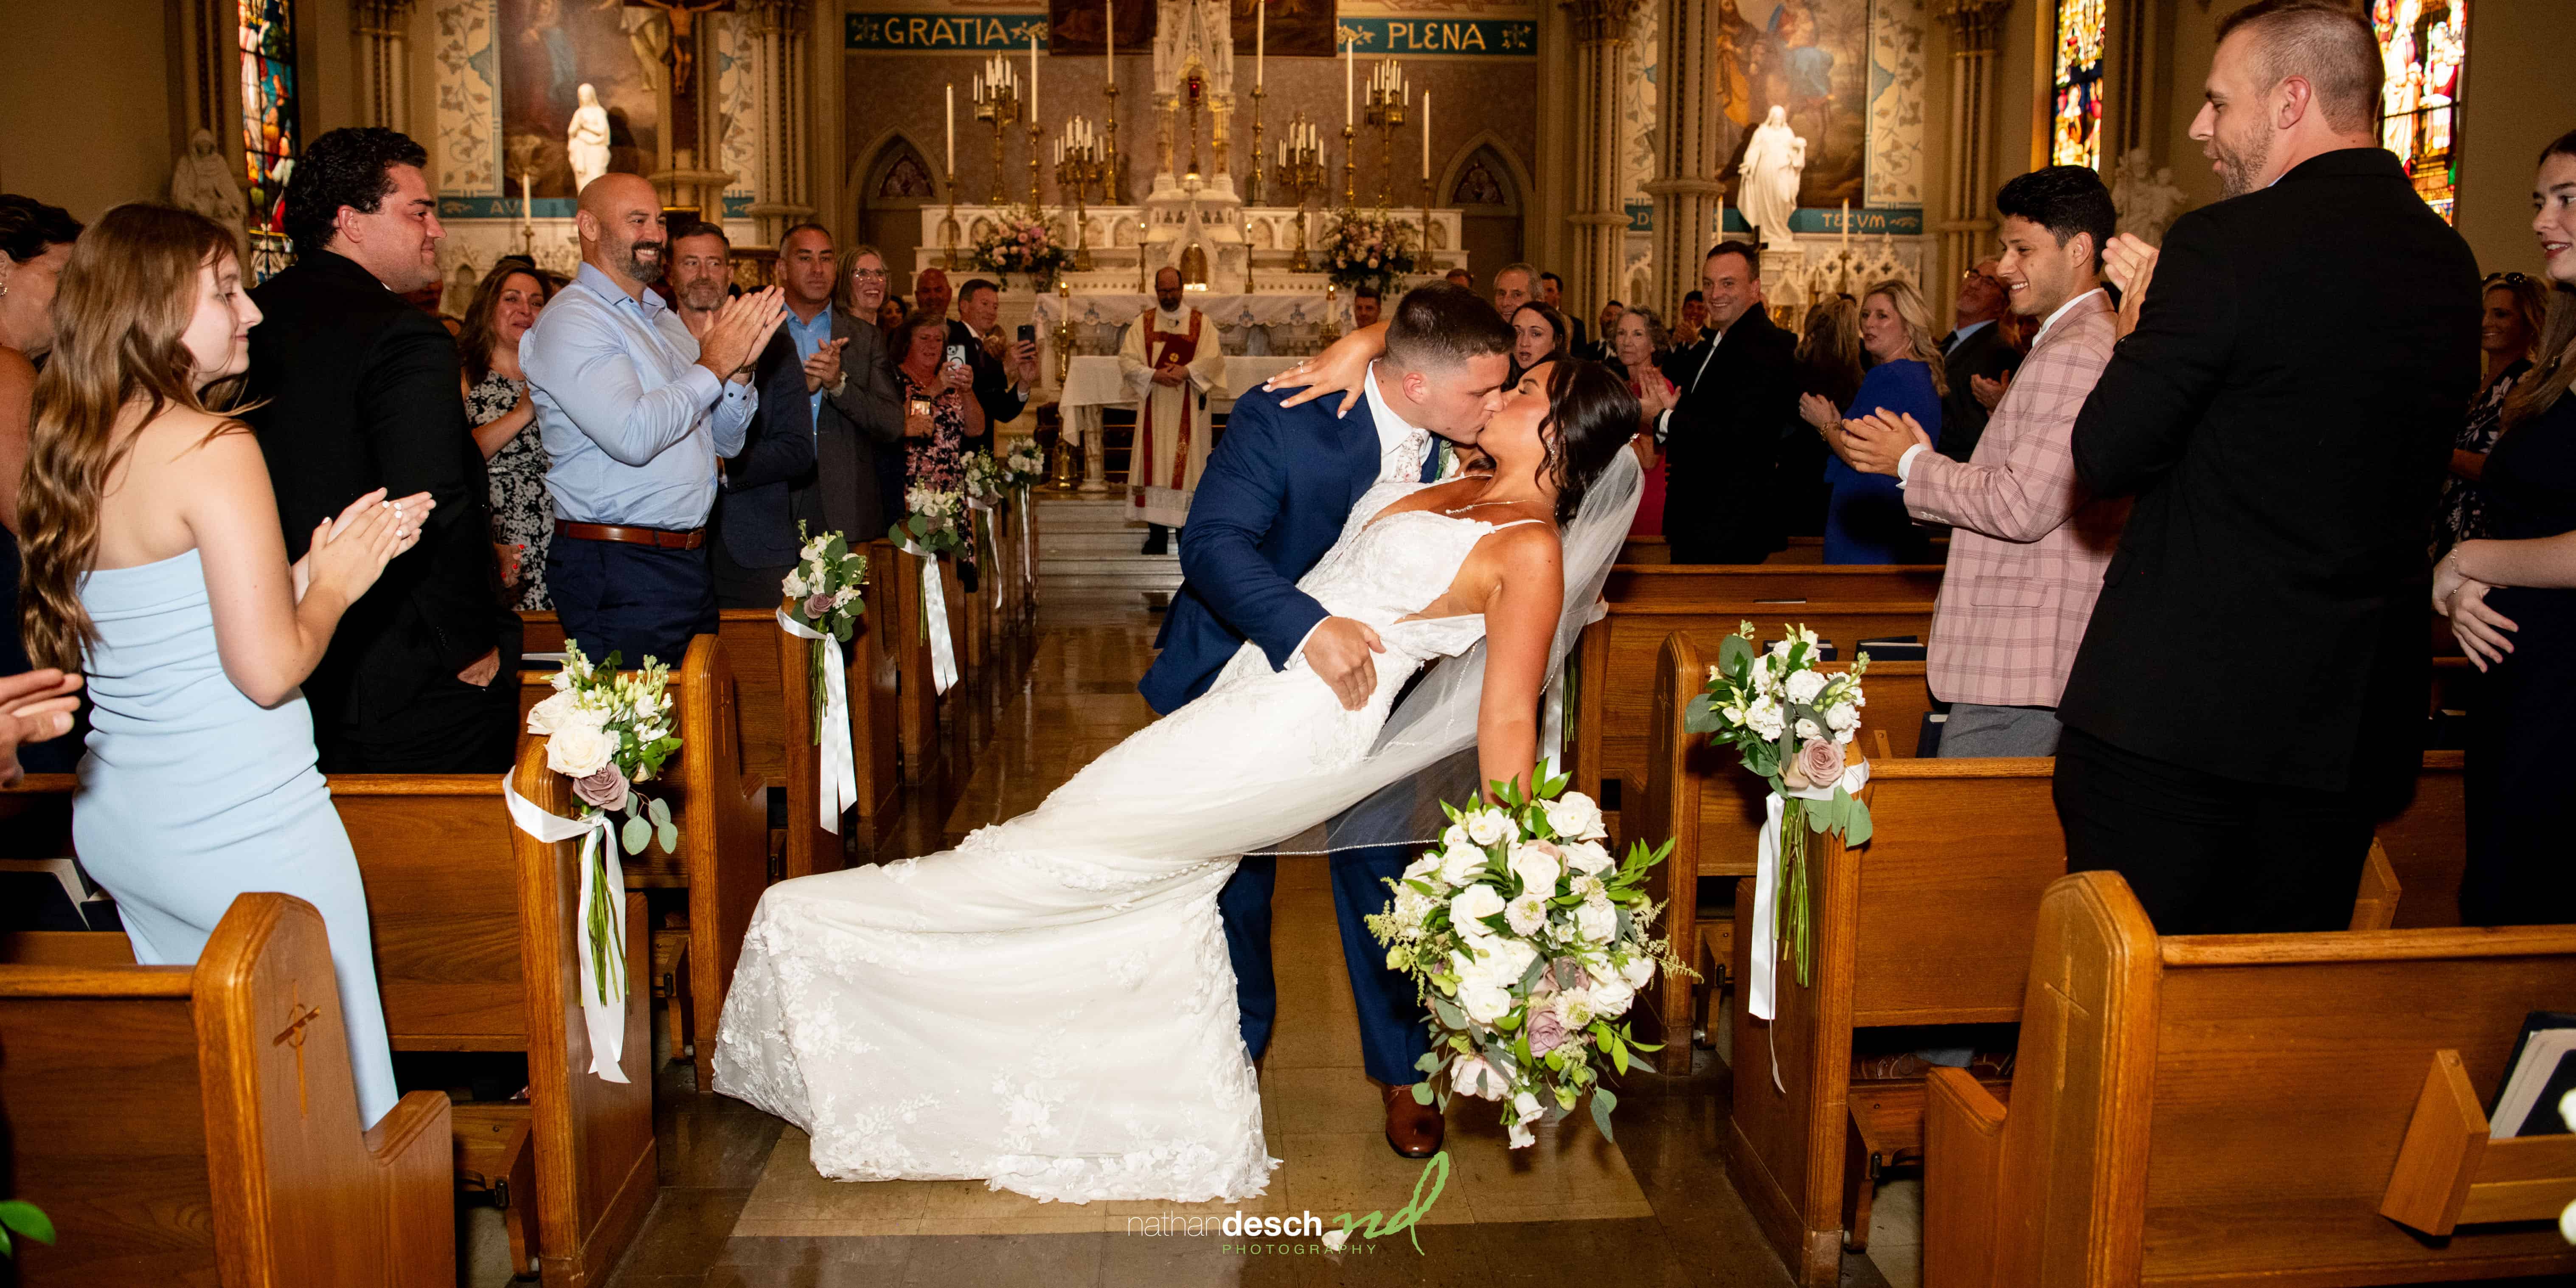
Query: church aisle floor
point(741, 1205)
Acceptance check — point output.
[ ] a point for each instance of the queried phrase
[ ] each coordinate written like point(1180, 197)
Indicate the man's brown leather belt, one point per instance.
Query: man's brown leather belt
point(662, 537)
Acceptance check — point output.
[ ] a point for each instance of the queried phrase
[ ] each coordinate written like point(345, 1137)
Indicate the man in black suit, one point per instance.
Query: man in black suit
point(1551, 292)
point(752, 546)
point(353, 389)
point(1975, 350)
point(1735, 393)
point(2249, 696)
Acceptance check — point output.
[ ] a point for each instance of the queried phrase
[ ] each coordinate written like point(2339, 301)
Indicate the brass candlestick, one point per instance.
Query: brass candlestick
point(1077, 167)
point(1252, 173)
point(1300, 169)
point(1388, 97)
point(998, 101)
point(1109, 154)
point(1350, 170)
point(1035, 132)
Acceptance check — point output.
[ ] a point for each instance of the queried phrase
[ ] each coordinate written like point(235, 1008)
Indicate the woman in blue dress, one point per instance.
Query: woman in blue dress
point(1865, 520)
point(155, 563)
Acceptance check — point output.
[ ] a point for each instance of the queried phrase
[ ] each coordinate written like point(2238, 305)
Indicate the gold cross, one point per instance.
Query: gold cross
point(293, 1036)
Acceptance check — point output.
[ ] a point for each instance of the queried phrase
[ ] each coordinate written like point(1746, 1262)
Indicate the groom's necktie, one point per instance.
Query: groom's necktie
point(1404, 460)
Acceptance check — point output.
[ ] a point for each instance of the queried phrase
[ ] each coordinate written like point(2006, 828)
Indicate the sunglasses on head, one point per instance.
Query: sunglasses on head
point(2508, 279)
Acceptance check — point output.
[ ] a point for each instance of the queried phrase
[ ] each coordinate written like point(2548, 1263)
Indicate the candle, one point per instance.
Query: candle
point(952, 127)
point(1109, 42)
point(1847, 223)
point(527, 198)
point(1033, 76)
point(1260, 38)
point(1350, 64)
point(1426, 136)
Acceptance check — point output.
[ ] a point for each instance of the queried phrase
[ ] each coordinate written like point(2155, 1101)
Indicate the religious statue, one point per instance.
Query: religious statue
point(2147, 202)
point(1767, 190)
point(201, 182)
point(682, 34)
point(586, 141)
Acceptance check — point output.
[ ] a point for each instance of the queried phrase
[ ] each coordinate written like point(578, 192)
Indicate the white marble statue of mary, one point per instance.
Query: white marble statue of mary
point(586, 141)
point(1768, 192)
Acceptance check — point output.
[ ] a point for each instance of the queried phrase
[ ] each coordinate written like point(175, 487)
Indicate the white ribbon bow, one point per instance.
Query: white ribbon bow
point(934, 620)
point(1760, 986)
point(605, 1019)
point(840, 764)
point(1028, 557)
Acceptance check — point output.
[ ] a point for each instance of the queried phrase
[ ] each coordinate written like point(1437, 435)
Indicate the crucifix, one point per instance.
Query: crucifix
point(680, 56)
point(299, 1015)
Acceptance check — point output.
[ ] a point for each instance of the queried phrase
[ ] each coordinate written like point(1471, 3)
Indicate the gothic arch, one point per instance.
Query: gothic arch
point(1516, 177)
point(892, 200)
point(1491, 230)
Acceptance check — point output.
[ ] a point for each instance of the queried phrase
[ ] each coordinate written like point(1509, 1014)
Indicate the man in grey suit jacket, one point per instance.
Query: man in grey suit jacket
point(753, 539)
point(856, 486)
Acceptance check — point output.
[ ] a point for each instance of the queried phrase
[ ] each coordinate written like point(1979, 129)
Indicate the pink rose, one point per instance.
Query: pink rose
point(605, 789)
point(1546, 1031)
point(1820, 762)
point(817, 604)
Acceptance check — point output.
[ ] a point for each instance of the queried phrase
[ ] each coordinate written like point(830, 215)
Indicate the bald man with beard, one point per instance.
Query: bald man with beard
point(634, 412)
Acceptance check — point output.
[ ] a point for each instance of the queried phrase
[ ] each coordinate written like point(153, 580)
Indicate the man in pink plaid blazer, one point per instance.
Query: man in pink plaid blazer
point(2028, 545)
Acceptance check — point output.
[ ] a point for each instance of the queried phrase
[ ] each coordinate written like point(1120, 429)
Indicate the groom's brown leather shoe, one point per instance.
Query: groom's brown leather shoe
point(1413, 1129)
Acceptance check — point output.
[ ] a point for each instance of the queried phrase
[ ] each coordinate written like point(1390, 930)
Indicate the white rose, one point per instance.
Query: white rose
point(1807, 729)
point(1612, 997)
point(1509, 959)
point(1473, 904)
point(1575, 817)
point(1526, 915)
point(1461, 864)
point(1454, 837)
point(1484, 1001)
point(1587, 857)
point(1842, 718)
point(1537, 867)
point(1639, 969)
point(796, 585)
point(578, 748)
point(1428, 864)
point(1805, 685)
point(1471, 1076)
point(1596, 921)
point(1489, 827)
point(546, 716)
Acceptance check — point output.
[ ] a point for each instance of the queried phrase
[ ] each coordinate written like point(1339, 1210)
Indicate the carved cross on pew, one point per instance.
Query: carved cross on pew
point(679, 56)
point(299, 1015)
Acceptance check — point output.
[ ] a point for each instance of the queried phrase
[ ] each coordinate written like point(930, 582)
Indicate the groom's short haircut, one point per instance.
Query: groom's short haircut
point(1438, 326)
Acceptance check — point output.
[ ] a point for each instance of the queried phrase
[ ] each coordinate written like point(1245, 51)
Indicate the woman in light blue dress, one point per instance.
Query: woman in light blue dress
point(155, 563)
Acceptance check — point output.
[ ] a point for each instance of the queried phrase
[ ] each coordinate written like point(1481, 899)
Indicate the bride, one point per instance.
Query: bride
point(1049, 1007)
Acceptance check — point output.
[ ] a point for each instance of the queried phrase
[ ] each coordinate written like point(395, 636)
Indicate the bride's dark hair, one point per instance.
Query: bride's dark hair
point(1593, 416)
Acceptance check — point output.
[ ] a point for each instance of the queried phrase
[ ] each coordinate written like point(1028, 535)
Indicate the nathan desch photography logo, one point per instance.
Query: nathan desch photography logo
point(1305, 1233)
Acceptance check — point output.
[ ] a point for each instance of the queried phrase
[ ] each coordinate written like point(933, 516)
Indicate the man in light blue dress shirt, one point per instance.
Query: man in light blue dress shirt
point(634, 412)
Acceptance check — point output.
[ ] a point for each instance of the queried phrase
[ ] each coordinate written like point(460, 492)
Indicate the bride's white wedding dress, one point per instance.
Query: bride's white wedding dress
point(1049, 1006)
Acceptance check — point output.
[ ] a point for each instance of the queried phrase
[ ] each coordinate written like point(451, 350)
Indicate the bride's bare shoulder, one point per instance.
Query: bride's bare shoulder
point(1525, 548)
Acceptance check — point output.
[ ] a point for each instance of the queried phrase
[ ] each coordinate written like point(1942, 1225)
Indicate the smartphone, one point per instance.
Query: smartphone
point(957, 355)
point(921, 407)
point(1028, 333)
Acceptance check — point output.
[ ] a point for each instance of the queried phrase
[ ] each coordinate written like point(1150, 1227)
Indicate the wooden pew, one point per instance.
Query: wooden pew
point(199, 1125)
point(919, 704)
point(723, 819)
point(2246, 1110)
point(1785, 583)
point(1617, 668)
point(2428, 843)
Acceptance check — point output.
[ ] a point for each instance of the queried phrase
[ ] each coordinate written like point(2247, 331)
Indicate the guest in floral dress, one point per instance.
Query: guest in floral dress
point(940, 412)
point(2508, 327)
point(505, 424)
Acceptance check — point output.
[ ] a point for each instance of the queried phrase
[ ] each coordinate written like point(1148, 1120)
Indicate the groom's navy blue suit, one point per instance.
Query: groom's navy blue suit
point(1274, 497)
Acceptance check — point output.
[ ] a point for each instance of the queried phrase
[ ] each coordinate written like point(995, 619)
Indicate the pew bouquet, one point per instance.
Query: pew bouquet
point(1793, 725)
point(822, 596)
point(984, 480)
point(607, 730)
point(1026, 464)
point(1528, 941)
point(933, 523)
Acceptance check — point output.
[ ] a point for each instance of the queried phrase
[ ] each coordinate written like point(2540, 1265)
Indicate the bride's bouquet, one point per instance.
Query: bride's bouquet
point(1528, 942)
point(933, 523)
point(608, 730)
point(1793, 725)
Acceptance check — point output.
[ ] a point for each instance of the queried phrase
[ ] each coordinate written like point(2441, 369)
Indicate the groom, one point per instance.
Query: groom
point(1277, 490)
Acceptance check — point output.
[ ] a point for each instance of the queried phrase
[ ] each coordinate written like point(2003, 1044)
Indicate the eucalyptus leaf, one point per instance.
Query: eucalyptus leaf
point(1732, 652)
point(1422, 1093)
point(1602, 1103)
point(636, 835)
point(1856, 824)
point(659, 811)
point(669, 836)
point(1450, 1016)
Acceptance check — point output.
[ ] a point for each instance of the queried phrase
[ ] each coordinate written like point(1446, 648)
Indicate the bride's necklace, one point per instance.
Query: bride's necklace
point(1457, 510)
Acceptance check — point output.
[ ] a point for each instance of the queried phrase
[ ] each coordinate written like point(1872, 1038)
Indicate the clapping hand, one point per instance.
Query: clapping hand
point(1654, 396)
point(1990, 393)
point(1874, 443)
point(35, 706)
point(2130, 263)
point(348, 553)
point(741, 330)
point(823, 370)
point(1819, 411)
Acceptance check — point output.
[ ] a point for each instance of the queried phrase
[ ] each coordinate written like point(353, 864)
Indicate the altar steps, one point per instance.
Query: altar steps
point(1087, 550)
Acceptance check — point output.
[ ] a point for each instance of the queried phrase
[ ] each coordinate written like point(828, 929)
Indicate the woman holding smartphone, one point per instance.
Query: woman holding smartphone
point(940, 412)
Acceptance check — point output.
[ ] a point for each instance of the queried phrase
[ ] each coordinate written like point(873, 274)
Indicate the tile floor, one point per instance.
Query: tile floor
point(740, 1204)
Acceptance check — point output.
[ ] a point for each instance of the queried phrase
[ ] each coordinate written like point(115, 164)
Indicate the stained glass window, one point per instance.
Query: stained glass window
point(2075, 132)
point(269, 133)
point(2422, 44)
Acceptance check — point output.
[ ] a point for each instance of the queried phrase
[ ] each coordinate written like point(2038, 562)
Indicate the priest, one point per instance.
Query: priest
point(1170, 359)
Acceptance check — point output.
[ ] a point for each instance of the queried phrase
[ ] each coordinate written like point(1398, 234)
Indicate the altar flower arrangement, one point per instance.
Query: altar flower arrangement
point(933, 522)
point(984, 480)
point(609, 730)
point(823, 596)
point(1025, 464)
point(1368, 249)
point(1019, 241)
point(1793, 725)
point(1528, 942)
